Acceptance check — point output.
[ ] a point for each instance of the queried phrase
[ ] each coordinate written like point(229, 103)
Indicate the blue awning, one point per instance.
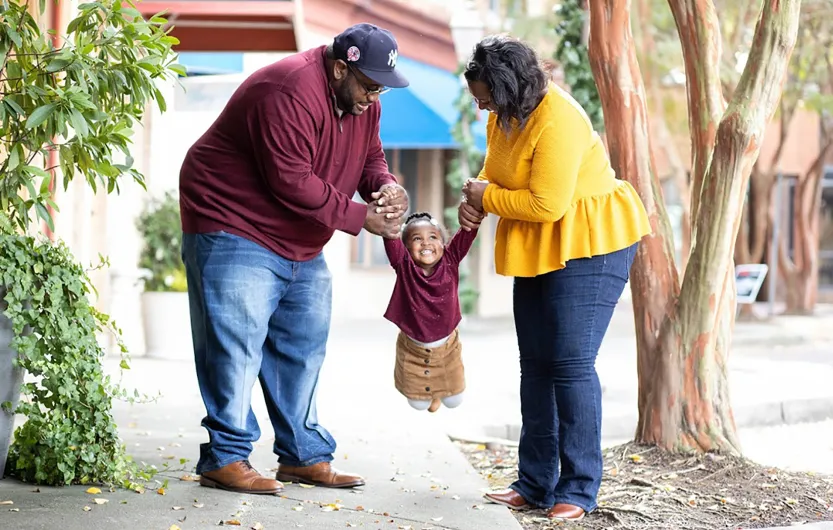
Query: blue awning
point(418, 117)
point(422, 115)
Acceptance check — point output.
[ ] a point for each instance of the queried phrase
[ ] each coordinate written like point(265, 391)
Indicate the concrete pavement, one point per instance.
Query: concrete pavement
point(416, 477)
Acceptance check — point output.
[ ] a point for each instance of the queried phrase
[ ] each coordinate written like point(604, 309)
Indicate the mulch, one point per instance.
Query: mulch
point(646, 488)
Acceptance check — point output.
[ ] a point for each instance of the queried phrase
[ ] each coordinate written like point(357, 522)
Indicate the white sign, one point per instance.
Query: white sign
point(748, 281)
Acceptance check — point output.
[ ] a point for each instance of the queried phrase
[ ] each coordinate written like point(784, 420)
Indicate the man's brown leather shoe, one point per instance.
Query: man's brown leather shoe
point(240, 477)
point(509, 498)
point(566, 512)
point(321, 474)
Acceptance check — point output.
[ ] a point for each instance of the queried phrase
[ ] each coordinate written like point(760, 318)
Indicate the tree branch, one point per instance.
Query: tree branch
point(738, 144)
point(699, 30)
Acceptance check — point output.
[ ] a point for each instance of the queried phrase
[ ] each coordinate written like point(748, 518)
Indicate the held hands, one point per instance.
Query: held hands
point(385, 211)
point(470, 212)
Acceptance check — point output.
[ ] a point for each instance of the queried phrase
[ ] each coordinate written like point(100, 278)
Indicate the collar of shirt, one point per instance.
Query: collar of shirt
point(337, 111)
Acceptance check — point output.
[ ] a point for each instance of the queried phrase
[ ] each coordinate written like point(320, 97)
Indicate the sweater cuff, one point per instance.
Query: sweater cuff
point(486, 201)
point(354, 222)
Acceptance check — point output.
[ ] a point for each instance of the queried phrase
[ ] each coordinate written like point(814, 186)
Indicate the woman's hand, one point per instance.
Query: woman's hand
point(473, 191)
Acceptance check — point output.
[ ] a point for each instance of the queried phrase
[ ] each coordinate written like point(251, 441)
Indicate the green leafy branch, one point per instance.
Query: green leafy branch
point(571, 53)
point(79, 101)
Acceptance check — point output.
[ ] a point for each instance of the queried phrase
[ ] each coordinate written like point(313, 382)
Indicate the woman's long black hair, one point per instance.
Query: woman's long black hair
point(513, 74)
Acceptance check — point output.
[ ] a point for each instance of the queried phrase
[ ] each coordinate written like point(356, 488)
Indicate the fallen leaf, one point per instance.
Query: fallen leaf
point(160, 491)
point(436, 519)
point(177, 508)
point(122, 502)
point(198, 505)
point(6, 503)
point(307, 486)
point(101, 501)
point(87, 508)
point(174, 527)
point(175, 444)
point(190, 478)
point(14, 509)
point(168, 457)
point(247, 503)
point(232, 522)
point(36, 490)
point(298, 508)
point(455, 497)
point(332, 507)
point(478, 507)
point(359, 508)
point(635, 458)
point(93, 491)
point(257, 526)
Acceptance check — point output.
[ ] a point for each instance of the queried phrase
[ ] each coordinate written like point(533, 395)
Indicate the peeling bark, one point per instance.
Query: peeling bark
point(684, 331)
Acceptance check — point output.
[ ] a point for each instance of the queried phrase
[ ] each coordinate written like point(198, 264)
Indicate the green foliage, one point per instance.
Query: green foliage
point(463, 167)
point(78, 101)
point(66, 111)
point(571, 53)
point(160, 227)
point(69, 435)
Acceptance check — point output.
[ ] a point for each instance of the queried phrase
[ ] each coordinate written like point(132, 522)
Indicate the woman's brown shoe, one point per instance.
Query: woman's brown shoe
point(509, 498)
point(566, 512)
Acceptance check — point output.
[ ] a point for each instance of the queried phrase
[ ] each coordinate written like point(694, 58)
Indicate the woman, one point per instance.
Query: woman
point(567, 233)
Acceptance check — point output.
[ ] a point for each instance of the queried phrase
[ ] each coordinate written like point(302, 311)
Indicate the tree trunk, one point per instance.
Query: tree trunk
point(684, 333)
point(801, 274)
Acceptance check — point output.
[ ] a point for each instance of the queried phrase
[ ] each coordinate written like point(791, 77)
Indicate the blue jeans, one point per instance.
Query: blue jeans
point(256, 315)
point(561, 318)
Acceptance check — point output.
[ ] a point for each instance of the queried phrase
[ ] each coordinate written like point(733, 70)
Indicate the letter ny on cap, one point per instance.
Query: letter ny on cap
point(372, 51)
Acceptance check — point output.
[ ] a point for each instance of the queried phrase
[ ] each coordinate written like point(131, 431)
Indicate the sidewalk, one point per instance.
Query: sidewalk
point(416, 477)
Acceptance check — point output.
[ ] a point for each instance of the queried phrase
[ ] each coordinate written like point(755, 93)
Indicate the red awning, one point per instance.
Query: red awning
point(228, 25)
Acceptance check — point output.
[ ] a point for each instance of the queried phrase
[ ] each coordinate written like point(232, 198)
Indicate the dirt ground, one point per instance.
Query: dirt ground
point(645, 488)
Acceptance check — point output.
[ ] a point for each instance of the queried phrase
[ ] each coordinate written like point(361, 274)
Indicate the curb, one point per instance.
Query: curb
point(621, 427)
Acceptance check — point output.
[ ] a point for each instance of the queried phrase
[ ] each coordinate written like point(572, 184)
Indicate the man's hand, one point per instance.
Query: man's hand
point(392, 196)
point(383, 221)
point(473, 191)
point(469, 217)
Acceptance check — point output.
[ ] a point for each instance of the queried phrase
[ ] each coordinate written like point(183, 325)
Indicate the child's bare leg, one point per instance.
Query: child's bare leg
point(453, 401)
point(419, 404)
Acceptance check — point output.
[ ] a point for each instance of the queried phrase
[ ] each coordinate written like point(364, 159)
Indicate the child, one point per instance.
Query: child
point(426, 309)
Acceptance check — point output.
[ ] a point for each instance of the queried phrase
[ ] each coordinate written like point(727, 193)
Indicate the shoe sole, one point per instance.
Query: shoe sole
point(523, 508)
point(566, 519)
point(292, 478)
point(208, 483)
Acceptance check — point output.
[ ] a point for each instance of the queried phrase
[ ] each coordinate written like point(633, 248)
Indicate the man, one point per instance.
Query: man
point(262, 191)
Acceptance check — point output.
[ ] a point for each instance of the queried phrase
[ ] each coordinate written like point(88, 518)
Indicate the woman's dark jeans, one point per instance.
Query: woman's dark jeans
point(561, 318)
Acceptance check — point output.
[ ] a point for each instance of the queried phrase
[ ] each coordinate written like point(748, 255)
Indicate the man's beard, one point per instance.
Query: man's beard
point(344, 100)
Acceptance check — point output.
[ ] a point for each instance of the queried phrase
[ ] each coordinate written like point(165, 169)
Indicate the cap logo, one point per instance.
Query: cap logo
point(353, 54)
point(392, 57)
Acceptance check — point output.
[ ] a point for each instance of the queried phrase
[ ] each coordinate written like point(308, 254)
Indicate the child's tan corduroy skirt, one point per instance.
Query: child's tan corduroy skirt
point(425, 373)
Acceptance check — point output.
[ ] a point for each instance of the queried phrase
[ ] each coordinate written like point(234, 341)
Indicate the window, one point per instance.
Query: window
point(368, 250)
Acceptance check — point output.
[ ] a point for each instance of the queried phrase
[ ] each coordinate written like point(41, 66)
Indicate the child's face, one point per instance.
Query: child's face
point(424, 242)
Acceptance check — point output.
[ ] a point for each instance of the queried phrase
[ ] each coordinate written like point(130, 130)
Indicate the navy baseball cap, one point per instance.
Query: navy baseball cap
point(372, 51)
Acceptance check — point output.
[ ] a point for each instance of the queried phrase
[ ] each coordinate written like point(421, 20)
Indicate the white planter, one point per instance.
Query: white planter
point(167, 324)
point(11, 379)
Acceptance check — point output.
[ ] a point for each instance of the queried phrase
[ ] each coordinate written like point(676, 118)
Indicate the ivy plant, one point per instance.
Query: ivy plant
point(68, 106)
point(571, 53)
point(464, 166)
point(160, 258)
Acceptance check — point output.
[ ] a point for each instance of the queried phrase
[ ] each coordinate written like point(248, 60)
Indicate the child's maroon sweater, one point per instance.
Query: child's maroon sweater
point(427, 308)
